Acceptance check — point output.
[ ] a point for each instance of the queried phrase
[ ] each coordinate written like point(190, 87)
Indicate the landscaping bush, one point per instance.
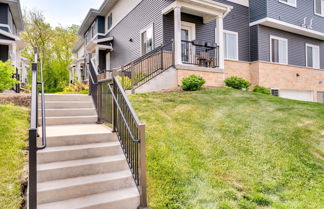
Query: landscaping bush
point(76, 88)
point(127, 82)
point(6, 72)
point(192, 83)
point(262, 90)
point(237, 83)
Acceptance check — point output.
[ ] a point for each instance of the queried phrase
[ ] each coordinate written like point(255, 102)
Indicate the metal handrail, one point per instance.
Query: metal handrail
point(123, 116)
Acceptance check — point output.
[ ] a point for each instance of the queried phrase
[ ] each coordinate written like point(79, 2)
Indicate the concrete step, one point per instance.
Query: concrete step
point(80, 134)
point(69, 112)
point(78, 152)
point(61, 190)
point(67, 97)
point(68, 120)
point(120, 199)
point(68, 104)
point(78, 168)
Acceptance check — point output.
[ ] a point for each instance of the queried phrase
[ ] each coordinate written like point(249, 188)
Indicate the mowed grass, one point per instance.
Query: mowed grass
point(223, 148)
point(13, 135)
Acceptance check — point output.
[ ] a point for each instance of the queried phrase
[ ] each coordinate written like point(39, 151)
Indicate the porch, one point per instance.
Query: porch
point(197, 30)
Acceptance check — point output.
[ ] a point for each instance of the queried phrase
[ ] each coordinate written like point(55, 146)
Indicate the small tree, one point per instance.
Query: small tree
point(6, 72)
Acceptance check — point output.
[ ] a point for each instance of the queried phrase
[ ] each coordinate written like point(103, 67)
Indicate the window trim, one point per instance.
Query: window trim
point(289, 4)
point(107, 19)
point(319, 55)
point(237, 44)
point(282, 39)
point(151, 25)
point(321, 15)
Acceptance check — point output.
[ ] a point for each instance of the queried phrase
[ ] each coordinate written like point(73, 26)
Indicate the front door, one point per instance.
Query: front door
point(187, 35)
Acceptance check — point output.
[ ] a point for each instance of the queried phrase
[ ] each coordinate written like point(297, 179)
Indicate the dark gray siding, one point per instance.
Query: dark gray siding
point(254, 43)
point(4, 9)
point(293, 15)
point(146, 13)
point(236, 21)
point(296, 45)
point(5, 37)
point(4, 53)
point(258, 9)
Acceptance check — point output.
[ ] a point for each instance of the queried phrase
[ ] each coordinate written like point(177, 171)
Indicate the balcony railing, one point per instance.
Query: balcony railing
point(200, 53)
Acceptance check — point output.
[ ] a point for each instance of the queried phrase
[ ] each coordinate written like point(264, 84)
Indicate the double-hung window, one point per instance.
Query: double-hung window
point(109, 21)
point(292, 3)
point(319, 7)
point(278, 50)
point(231, 45)
point(147, 39)
point(312, 56)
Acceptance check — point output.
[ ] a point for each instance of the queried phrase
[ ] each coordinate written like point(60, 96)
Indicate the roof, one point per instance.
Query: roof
point(15, 8)
point(78, 45)
point(93, 13)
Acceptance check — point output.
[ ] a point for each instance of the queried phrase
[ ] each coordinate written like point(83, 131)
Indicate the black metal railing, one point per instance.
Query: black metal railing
point(114, 108)
point(200, 53)
point(33, 133)
point(147, 67)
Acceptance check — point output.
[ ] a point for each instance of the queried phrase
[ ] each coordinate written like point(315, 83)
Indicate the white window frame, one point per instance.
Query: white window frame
point(322, 9)
point(283, 39)
point(319, 55)
point(289, 4)
point(112, 22)
point(141, 39)
point(237, 45)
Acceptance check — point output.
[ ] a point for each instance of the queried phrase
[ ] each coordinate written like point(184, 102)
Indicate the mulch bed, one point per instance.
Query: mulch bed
point(15, 99)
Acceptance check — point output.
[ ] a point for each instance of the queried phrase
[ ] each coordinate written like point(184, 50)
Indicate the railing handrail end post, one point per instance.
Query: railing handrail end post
point(143, 184)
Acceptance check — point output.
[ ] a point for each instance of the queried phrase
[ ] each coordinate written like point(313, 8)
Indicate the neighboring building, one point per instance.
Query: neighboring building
point(77, 70)
point(278, 44)
point(11, 24)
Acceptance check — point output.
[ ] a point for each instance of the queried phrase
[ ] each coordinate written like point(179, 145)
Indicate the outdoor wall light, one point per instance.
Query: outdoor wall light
point(297, 75)
point(130, 40)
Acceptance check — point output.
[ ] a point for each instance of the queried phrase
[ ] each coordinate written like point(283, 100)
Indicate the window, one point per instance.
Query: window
point(278, 50)
point(86, 38)
point(289, 2)
point(93, 30)
point(319, 7)
point(109, 21)
point(231, 45)
point(312, 56)
point(147, 39)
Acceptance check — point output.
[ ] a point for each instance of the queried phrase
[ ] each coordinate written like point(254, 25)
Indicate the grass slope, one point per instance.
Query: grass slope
point(222, 148)
point(13, 135)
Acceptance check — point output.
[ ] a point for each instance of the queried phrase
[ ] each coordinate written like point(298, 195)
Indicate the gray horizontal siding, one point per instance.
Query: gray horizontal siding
point(296, 46)
point(293, 15)
point(146, 13)
point(258, 9)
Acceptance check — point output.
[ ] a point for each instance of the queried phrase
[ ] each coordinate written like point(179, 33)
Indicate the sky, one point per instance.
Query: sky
point(62, 12)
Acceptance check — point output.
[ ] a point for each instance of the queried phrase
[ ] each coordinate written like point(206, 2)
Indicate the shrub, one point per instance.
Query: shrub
point(237, 83)
point(262, 90)
point(6, 72)
point(127, 81)
point(192, 83)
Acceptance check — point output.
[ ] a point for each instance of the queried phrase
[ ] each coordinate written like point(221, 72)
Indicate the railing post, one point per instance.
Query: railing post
point(132, 78)
point(99, 102)
point(123, 76)
point(173, 54)
point(32, 176)
point(162, 57)
point(114, 106)
point(143, 198)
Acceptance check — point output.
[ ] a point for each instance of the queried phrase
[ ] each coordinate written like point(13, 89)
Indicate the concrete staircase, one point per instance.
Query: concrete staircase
point(83, 165)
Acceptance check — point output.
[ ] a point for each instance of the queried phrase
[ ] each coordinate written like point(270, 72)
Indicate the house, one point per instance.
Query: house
point(11, 24)
point(77, 70)
point(278, 44)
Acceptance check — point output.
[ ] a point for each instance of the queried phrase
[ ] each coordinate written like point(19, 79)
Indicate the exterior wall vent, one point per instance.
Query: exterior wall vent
point(275, 92)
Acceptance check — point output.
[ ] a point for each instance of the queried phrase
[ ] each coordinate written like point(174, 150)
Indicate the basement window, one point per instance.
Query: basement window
point(275, 92)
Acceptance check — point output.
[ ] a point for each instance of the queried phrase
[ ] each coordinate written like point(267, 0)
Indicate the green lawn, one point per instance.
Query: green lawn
point(13, 135)
point(223, 148)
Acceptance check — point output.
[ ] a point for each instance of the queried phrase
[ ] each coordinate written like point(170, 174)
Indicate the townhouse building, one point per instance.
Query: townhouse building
point(11, 24)
point(278, 44)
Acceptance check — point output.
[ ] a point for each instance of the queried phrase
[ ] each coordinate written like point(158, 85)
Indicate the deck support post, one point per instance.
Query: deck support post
point(177, 35)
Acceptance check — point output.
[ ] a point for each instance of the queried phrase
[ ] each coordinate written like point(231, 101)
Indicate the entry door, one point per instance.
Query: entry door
point(187, 35)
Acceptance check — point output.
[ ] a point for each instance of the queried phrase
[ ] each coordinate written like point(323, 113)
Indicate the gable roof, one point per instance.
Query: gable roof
point(93, 13)
point(15, 9)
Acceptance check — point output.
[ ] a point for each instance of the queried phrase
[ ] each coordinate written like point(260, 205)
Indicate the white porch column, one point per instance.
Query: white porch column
point(219, 35)
point(177, 35)
point(14, 54)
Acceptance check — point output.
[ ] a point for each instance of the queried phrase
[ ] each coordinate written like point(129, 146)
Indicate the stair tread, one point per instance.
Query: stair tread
point(82, 116)
point(71, 109)
point(76, 130)
point(79, 147)
point(74, 163)
point(84, 180)
point(93, 200)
